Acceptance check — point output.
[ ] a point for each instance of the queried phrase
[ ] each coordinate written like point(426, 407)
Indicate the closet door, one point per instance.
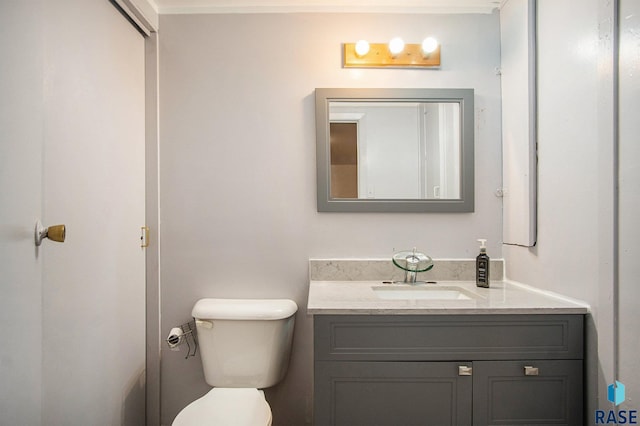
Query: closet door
point(21, 88)
point(93, 289)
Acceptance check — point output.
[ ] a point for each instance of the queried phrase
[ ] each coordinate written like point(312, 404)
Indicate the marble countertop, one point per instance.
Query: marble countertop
point(503, 297)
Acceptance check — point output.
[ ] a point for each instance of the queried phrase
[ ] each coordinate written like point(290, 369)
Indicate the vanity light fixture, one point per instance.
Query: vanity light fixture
point(395, 54)
point(396, 46)
point(429, 45)
point(362, 48)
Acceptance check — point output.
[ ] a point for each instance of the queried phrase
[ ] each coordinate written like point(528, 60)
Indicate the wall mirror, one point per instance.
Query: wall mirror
point(395, 150)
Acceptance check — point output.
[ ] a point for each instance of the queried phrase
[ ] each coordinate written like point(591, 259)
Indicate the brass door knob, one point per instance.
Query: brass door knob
point(54, 233)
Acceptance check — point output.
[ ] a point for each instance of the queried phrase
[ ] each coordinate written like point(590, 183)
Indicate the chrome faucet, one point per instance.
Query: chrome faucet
point(412, 262)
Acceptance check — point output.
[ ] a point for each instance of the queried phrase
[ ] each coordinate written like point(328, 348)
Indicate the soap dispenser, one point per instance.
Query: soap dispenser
point(482, 265)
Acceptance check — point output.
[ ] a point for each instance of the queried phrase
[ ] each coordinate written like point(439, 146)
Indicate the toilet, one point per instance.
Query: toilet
point(245, 346)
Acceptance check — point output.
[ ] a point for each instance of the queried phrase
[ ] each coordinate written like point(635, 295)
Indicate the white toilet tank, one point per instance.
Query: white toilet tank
point(244, 343)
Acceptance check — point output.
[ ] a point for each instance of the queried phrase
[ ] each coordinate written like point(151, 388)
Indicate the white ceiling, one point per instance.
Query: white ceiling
point(361, 6)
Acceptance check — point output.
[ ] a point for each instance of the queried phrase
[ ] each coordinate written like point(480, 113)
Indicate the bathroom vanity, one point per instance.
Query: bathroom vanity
point(445, 354)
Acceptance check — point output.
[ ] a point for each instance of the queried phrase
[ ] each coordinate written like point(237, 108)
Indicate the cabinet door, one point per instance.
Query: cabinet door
point(527, 392)
point(392, 394)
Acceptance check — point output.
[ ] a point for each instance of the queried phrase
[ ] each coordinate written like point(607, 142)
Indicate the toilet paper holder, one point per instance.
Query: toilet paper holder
point(183, 334)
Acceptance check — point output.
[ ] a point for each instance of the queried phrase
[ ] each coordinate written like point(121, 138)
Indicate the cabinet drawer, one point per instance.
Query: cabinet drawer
point(427, 338)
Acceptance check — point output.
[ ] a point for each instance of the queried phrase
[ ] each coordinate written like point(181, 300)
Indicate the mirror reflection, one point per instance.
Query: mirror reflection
point(395, 150)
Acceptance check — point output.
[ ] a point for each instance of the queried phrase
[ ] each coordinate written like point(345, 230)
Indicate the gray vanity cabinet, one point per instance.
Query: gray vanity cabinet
point(401, 370)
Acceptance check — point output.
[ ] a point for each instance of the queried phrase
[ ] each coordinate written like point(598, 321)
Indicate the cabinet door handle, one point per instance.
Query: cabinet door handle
point(530, 371)
point(463, 370)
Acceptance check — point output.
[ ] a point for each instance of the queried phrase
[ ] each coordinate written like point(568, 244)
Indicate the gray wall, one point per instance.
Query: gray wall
point(576, 239)
point(237, 168)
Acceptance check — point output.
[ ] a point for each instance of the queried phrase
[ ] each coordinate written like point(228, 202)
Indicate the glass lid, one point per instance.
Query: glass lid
point(412, 261)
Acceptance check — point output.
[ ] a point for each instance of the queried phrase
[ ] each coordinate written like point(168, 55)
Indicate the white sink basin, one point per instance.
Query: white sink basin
point(416, 292)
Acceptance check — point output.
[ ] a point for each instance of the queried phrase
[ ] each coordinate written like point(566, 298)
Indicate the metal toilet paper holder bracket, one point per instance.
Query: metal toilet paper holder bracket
point(187, 336)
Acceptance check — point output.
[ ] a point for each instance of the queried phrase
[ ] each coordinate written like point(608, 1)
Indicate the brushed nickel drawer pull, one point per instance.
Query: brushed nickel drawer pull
point(463, 370)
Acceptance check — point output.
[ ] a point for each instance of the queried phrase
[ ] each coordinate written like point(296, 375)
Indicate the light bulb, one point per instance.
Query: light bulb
point(362, 47)
point(396, 45)
point(429, 45)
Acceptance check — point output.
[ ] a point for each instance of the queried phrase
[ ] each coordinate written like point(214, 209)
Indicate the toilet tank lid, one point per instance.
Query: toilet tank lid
point(244, 309)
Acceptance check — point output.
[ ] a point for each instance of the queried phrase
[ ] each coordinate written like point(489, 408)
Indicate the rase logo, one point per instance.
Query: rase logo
point(615, 395)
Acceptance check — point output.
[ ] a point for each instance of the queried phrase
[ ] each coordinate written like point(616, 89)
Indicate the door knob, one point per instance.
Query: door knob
point(54, 233)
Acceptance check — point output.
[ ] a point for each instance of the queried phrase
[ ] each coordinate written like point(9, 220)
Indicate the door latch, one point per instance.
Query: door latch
point(144, 236)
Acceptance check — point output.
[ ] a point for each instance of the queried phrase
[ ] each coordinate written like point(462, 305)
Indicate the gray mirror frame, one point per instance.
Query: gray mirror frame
point(327, 204)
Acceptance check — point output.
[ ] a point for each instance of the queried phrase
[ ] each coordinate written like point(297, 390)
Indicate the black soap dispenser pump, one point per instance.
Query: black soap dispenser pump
point(482, 265)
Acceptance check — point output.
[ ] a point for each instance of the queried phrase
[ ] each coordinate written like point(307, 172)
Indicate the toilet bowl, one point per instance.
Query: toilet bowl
point(244, 346)
point(227, 407)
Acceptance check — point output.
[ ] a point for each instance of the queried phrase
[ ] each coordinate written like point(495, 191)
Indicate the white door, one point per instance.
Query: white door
point(89, 170)
point(21, 87)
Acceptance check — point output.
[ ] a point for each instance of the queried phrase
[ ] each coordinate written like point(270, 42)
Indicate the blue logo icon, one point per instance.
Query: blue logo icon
point(615, 393)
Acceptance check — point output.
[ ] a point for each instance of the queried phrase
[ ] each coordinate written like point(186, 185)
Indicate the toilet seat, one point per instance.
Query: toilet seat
point(227, 407)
